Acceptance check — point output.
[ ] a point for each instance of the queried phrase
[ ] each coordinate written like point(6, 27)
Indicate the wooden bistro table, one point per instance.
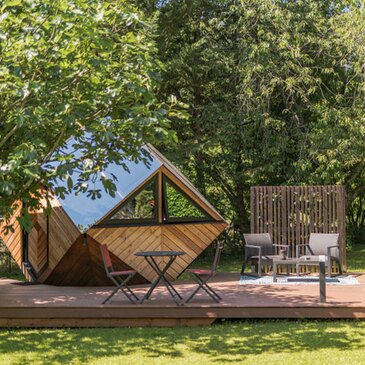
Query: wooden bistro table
point(150, 257)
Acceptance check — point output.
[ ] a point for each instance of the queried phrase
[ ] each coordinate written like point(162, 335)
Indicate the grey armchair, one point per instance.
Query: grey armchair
point(260, 249)
point(322, 244)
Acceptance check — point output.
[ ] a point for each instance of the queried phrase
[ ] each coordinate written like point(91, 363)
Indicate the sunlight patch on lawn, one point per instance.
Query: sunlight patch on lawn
point(247, 342)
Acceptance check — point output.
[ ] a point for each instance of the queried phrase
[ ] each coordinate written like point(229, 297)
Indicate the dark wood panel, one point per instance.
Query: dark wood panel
point(82, 266)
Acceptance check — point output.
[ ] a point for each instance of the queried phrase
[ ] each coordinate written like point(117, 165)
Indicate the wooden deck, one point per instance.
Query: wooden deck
point(50, 306)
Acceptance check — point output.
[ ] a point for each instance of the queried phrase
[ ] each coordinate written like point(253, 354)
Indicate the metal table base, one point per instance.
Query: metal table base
point(150, 258)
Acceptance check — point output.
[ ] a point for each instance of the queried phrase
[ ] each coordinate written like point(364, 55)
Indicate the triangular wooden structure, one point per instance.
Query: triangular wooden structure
point(156, 208)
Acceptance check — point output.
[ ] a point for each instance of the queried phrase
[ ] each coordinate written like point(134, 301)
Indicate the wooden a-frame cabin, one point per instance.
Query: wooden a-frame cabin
point(155, 208)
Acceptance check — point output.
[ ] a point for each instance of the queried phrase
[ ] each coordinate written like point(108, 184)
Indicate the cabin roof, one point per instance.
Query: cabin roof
point(85, 212)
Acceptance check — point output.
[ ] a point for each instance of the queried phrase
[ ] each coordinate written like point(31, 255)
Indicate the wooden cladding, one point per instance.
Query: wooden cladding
point(82, 265)
point(191, 238)
point(37, 246)
point(291, 213)
point(13, 240)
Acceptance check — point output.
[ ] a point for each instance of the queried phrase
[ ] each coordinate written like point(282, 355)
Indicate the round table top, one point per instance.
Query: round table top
point(160, 253)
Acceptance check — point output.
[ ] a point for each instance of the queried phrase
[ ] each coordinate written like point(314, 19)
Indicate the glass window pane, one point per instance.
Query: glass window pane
point(141, 206)
point(179, 206)
point(83, 210)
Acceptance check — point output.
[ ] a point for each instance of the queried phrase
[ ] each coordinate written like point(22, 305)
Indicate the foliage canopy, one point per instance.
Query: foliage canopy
point(276, 92)
point(82, 68)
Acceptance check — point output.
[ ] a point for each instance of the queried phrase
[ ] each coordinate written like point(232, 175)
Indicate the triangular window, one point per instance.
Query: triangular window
point(141, 207)
point(178, 207)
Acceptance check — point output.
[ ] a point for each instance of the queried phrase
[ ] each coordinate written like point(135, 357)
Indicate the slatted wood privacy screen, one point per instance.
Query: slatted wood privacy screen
point(291, 213)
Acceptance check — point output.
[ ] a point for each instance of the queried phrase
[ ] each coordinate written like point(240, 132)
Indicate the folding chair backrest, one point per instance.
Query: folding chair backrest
point(318, 243)
point(260, 239)
point(217, 256)
point(106, 259)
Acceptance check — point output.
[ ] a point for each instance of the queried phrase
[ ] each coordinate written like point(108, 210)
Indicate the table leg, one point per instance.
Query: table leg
point(161, 277)
point(274, 279)
point(322, 282)
point(169, 286)
point(151, 289)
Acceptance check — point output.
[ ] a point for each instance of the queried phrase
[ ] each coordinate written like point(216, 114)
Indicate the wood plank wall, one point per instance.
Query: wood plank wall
point(82, 265)
point(13, 240)
point(37, 246)
point(62, 233)
point(191, 238)
point(123, 242)
point(291, 213)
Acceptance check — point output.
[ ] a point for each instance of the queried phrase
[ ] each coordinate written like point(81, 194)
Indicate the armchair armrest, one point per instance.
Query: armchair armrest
point(297, 248)
point(280, 245)
point(331, 247)
point(284, 246)
point(258, 248)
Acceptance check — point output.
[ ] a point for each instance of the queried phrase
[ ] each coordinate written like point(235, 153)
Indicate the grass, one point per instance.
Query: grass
point(356, 259)
point(245, 342)
point(14, 273)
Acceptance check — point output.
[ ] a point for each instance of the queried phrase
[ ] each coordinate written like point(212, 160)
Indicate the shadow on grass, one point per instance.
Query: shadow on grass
point(221, 343)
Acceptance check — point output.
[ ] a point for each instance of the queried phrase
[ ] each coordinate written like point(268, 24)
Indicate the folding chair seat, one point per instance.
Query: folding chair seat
point(119, 278)
point(201, 277)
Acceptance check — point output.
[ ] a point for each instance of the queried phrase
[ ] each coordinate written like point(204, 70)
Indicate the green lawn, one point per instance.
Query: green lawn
point(356, 259)
point(248, 342)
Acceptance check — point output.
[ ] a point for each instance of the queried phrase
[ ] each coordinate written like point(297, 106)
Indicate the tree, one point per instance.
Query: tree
point(82, 68)
point(267, 82)
point(336, 142)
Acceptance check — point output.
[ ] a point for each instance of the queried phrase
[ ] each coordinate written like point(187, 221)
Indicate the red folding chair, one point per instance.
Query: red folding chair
point(201, 276)
point(119, 278)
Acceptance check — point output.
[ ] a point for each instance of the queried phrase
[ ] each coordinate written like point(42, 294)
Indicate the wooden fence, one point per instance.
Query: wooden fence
point(291, 213)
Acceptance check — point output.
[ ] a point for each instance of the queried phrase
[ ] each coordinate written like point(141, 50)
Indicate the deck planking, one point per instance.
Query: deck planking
point(52, 306)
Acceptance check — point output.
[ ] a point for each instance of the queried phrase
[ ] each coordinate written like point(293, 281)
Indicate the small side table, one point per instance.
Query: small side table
point(319, 261)
point(287, 262)
point(308, 261)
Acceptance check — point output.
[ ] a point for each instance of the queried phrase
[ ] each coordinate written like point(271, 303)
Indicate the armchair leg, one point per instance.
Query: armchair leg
point(244, 265)
point(259, 269)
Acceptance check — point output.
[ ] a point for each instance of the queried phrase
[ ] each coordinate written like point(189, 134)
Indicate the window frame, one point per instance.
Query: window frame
point(166, 219)
point(108, 222)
